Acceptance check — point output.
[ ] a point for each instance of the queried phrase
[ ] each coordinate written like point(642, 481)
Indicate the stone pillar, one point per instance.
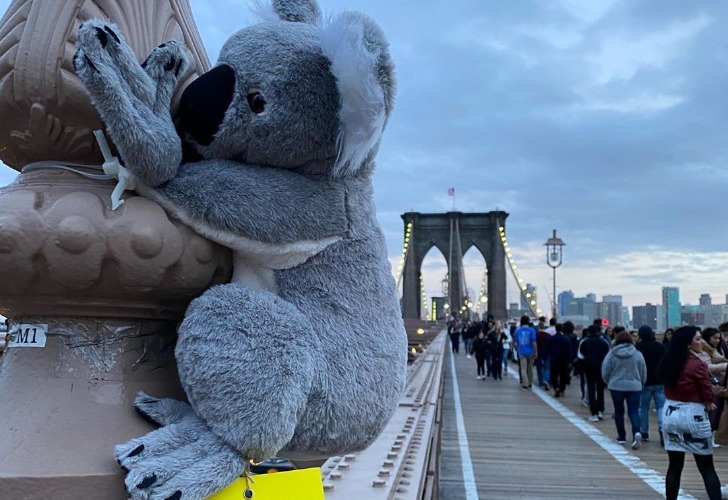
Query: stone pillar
point(109, 285)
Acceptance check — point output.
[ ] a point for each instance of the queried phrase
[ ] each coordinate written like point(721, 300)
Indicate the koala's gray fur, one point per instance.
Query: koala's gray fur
point(303, 354)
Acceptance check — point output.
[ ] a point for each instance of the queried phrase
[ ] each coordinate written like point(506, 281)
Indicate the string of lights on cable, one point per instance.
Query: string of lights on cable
point(527, 296)
point(405, 248)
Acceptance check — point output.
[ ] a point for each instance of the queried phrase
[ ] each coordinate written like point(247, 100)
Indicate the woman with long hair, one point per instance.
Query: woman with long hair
point(685, 421)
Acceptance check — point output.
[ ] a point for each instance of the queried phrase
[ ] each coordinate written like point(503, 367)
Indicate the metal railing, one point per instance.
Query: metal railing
point(403, 463)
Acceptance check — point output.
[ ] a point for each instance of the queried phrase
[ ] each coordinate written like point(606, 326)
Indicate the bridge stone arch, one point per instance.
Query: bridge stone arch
point(479, 230)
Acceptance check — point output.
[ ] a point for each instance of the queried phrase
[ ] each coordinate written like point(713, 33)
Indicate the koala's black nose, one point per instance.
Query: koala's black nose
point(204, 102)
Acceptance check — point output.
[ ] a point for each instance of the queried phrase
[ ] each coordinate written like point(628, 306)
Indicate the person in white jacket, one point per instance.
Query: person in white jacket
point(506, 340)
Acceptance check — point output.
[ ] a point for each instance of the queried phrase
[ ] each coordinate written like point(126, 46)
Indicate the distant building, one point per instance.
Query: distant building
point(591, 296)
point(610, 309)
point(583, 306)
point(671, 306)
point(705, 299)
point(647, 314)
point(564, 298)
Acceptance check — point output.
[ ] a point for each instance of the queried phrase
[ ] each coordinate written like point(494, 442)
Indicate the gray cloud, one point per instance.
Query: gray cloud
point(604, 119)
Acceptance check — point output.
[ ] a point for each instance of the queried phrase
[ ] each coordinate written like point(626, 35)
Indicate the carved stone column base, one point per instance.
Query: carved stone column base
point(65, 406)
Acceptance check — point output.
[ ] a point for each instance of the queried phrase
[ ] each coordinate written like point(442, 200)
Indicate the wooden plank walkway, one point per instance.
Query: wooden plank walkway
point(522, 447)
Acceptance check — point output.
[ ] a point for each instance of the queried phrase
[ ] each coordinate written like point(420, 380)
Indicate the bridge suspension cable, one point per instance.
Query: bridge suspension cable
point(523, 289)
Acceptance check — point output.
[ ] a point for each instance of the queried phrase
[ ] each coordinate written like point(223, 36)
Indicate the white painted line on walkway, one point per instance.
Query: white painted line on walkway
point(651, 477)
point(471, 490)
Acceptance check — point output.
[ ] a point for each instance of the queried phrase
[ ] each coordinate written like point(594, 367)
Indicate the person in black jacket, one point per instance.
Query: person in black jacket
point(652, 351)
point(560, 354)
point(594, 349)
point(479, 350)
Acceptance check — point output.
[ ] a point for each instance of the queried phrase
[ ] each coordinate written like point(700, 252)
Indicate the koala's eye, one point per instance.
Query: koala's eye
point(256, 101)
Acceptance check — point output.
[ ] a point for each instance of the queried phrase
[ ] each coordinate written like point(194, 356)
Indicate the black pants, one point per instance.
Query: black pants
point(559, 374)
point(481, 364)
point(705, 467)
point(595, 390)
point(496, 365)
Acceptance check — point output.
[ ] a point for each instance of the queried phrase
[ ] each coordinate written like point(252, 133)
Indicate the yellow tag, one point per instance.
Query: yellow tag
point(303, 484)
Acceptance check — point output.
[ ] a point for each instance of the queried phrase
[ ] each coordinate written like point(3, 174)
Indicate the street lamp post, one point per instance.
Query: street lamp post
point(554, 253)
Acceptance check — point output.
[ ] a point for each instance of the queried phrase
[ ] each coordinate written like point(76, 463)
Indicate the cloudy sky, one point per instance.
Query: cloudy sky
point(604, 119)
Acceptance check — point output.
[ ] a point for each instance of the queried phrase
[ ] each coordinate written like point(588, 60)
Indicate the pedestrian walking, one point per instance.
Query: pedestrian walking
point(685, 421)
point(525, 339)
point(543, 367)
point(653, 352)
point(560, 356)
point(625, 373)
point(594, 348)
point(506, 340)
point(479, 348)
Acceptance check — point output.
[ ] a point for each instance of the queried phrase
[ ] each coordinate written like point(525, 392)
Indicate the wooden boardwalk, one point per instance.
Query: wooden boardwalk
point(522, 445)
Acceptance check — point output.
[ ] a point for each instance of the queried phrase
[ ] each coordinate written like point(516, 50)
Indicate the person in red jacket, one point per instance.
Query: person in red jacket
point(685, 421)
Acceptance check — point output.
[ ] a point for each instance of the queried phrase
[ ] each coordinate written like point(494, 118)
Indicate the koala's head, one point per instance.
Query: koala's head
point(295, 91)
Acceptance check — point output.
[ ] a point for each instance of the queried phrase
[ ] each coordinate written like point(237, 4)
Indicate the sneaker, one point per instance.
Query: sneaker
point(594, 418)
point(557, 394)
point(637, 441)
point(621, 441)
point(715, 445)
point(524, 387)
point(600, 415)
point(646, 437)
point(479, 377)
point(546, 387)
point(584, 402)
point(469, 356)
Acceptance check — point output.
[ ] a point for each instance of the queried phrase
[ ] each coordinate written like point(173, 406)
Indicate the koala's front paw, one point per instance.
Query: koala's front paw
point(108, 66)
point(134, 104)
point(183, 460)
point(165, 65)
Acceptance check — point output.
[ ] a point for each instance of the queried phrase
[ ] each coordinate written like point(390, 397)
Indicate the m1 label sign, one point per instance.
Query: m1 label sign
point(25, 335)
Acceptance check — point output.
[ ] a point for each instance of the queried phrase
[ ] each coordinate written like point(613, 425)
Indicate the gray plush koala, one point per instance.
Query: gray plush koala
point(303, 354)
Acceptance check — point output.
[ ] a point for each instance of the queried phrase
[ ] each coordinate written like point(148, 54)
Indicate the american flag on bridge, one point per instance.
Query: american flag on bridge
point(451, 191)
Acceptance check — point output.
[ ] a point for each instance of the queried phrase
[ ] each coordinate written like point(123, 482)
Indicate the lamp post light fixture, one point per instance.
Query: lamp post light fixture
point(554, 254)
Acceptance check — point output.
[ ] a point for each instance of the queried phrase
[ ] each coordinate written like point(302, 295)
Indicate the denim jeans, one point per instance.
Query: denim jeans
point(543, 370)
point(633, 410)
point(649, 392)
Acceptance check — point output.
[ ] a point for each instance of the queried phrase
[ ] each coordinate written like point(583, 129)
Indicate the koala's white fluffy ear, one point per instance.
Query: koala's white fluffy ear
point(360, 61)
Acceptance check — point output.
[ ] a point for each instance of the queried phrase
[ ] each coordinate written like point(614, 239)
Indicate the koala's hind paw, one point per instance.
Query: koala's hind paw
point(183, 460)
point(158, 411)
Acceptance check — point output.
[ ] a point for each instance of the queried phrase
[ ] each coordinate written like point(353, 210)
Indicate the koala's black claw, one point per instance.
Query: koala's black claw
point(75, 61)
point(136, 451)
point(147, 482)
point(113, 35)
point(169, 64)
point(146, 61)
point(174, 496)
point(101, 35)
point(179, 67)
point(91, 64)
point(125, 469)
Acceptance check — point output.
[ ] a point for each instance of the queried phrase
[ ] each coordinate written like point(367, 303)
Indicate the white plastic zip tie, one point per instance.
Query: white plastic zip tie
point(112, 167)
